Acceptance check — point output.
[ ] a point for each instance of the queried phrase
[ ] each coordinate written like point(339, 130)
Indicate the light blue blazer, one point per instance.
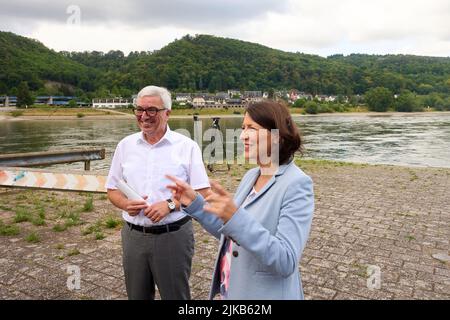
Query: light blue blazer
point(269, 234)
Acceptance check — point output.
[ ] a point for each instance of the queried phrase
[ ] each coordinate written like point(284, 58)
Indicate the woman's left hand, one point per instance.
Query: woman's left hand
point(220, 202)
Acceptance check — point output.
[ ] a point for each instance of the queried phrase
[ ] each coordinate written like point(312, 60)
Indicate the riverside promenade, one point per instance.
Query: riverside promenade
point(395, 220)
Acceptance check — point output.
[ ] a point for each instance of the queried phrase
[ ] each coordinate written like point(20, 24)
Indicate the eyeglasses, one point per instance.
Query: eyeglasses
point(151, 112)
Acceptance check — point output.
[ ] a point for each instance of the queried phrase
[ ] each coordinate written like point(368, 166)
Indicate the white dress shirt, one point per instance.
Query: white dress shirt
point(144, 166)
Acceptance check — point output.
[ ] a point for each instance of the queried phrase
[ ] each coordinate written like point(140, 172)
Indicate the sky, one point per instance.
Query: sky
point(322, 27)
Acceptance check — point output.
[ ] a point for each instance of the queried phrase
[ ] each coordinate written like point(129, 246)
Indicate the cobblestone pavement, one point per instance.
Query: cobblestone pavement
point(393, 218)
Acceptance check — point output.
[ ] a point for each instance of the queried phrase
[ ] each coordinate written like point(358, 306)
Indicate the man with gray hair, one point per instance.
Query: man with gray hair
point(157, 238)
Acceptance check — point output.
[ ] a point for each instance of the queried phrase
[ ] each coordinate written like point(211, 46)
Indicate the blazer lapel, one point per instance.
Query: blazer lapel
point(240, 197)
point(262, 191)
point(269, 184)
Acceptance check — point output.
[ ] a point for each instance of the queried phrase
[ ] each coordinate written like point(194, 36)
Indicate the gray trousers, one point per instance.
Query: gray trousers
point(162, 259)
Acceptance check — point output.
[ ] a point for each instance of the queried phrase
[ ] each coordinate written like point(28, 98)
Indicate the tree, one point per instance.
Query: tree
point(72, 104)
point(407, 102)
point(379, 99)
point(433, 100)
point(299, 103)
point(24, 97)
point(311, 107)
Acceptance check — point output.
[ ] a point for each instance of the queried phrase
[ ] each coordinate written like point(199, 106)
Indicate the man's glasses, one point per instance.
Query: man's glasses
point(151, 112)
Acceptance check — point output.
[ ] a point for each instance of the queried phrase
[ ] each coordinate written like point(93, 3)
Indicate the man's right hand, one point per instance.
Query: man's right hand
point(133, 207)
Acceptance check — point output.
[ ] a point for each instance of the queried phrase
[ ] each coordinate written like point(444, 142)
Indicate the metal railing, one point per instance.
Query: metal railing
point(52, 157)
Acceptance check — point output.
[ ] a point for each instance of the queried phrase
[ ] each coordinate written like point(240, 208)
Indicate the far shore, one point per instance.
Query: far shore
point(124, 116)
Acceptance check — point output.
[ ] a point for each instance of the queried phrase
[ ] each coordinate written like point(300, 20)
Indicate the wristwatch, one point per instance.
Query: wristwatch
point(171, 205)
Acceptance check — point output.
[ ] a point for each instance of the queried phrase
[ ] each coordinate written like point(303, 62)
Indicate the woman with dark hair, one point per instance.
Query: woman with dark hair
point(264, 228)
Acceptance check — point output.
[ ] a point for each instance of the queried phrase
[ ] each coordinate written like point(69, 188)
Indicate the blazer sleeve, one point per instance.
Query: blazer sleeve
point(209, 221)
point(281, 252)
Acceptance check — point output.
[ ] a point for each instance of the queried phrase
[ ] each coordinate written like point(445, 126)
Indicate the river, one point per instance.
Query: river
point(398, 139)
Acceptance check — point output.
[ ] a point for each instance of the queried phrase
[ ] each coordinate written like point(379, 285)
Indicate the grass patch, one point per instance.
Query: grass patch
point(59, 227)
point(360, 270)
point(103, 197)
point(38, 221)
point(32, 238)
point(327, 163)
point(59, 246)
point(41, 213)
point(73, 219)
point(88, 204)
point(99, 236)
point(80, 115)
point(8, 230)
point(413, 176)
point(16, 113)
point(22, 215)
point(410, 237)
point(52, 111)
point(73, 252)
point(6, 208)
point(405, 214)
point(112, 222)
point(21, 196)
point(26, 215)
point(92, 228)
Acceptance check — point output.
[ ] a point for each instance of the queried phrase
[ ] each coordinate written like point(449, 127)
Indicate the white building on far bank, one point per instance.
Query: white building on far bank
point(111, 103)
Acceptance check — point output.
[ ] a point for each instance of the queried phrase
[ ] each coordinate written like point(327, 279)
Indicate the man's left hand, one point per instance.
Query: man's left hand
point(157, 211)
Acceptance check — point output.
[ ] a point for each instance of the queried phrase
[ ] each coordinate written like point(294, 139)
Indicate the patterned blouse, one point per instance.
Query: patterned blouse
point(225, 257)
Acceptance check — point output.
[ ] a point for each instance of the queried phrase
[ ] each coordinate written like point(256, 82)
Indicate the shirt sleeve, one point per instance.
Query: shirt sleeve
point(115, 171)
point(198, 179)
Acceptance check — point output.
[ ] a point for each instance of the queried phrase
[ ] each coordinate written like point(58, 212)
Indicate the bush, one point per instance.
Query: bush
point(379, 99)
point(80, 115)
point(407, 102)
point(324, 108)
point(311, 107)
point(16, 113)
point(72, 104)
point(299, 103)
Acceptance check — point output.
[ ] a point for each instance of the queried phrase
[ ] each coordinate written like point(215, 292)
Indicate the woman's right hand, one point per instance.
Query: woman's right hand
point(182, 191)
point(133, 207)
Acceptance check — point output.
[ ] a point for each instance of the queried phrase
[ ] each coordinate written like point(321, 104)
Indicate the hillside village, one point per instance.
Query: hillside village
point(231, 99)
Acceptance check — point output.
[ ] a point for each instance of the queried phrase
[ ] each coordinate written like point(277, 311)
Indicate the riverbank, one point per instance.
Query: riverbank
point(388, 217)
point(114, 115)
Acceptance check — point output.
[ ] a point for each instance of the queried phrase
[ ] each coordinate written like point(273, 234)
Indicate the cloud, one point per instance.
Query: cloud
point(313, 26)
point(381, 26)
point(144, 13)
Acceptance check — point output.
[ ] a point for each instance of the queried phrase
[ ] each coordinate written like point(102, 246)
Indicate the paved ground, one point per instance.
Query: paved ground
point(393, 218)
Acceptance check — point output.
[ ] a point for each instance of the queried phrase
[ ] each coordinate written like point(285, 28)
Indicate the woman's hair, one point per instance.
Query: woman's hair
point(273, 115)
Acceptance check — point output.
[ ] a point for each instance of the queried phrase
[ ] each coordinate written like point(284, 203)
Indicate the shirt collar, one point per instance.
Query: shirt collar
point(168, 136)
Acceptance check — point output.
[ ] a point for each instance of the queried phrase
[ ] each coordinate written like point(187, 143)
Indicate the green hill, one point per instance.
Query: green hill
point(24, 59)
point(203, 62)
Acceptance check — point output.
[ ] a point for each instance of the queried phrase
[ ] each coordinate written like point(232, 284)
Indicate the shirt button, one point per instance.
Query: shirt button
point(235, 254)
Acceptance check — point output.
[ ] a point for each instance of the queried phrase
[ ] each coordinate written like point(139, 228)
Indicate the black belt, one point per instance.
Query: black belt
point(174, 226)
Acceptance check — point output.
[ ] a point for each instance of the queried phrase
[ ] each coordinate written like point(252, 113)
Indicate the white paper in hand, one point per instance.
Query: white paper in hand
point(128, 191)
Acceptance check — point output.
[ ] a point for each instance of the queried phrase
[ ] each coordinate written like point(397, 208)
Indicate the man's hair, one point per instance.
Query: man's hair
point(154, 91)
